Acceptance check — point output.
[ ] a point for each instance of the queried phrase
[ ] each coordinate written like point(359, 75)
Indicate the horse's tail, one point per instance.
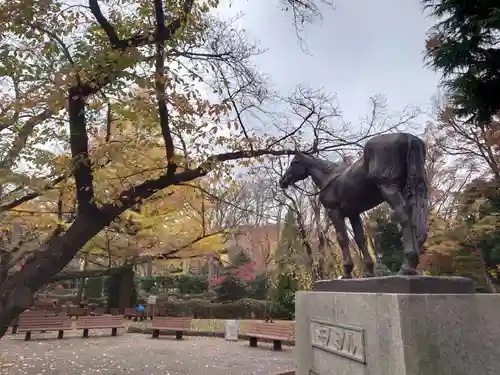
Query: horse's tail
point(416, 189)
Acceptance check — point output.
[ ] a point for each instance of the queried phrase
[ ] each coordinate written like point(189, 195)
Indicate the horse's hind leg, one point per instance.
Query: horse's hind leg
point(393, 196)
point(359, 237)
point(338, 222)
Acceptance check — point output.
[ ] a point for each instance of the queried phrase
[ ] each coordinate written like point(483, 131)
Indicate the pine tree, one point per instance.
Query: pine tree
point(463, 45)
point(386, 234)
point(287, 275)
point(289, 253)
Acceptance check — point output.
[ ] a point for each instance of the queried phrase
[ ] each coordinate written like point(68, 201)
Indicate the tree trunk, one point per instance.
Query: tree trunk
point(5, 260)
point(126, 288)
point(81, 282)
point(16, 292)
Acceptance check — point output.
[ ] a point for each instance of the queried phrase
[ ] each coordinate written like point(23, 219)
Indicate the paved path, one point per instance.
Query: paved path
point(138, 354)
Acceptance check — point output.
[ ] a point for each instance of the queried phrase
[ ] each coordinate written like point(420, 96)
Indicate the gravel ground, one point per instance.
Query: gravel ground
point(138, 354)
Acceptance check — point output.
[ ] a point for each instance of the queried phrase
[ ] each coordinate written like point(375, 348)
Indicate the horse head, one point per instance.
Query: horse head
point(297, 171)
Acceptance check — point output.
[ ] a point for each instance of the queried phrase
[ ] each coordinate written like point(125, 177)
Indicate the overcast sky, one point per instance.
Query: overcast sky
point(362, 48)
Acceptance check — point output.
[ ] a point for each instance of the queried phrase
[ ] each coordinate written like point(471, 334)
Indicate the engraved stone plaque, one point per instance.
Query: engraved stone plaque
point(339, 339)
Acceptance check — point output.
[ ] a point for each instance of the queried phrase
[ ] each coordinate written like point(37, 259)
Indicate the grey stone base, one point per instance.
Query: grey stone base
point(399, 284)
point(397, 334)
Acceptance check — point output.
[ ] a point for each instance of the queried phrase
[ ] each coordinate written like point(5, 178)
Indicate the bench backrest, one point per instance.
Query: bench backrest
point(174, 323)
point(32, 313)
point(270, 329)
point(160, 311)
point(27, 321)
point(38, 313)
point(103, 321)
point(77, 311)
point(55, 309)
point(130, 311)
point(99, 310)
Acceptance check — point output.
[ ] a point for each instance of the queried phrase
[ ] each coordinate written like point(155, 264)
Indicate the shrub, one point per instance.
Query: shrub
point(184, 284)
point(93, 287)
point(191, 284)
point(147, 284)
point(283, 296)
point(231, 289)
point(258, 287)
point(201, 309)
point(204, 296)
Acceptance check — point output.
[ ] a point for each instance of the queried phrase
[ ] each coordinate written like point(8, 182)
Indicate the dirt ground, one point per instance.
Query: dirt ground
point(138, 354)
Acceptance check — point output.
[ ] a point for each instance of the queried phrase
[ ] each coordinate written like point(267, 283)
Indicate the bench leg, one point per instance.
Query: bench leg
point(178, 335)
point(60, 335)
point(253, 342)
point(114, 331)
point(28, 336)
point(85, 332)
point(14, 330)
point(156, 333)
point(277, 345)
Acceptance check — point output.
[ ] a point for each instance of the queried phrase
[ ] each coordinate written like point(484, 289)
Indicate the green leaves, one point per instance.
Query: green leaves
point(463, 46)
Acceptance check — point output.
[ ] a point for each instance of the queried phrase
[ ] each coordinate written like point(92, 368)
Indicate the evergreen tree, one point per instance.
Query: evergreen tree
point(240, 258)
point(286, 283)
point(386, 234)
point(481, 209)
point(231, 289)
point(289, 253)
point(283, 295)
point(464, 46)
point(258, 287)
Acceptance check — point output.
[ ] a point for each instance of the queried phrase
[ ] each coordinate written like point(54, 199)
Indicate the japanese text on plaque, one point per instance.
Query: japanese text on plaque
point(338, 339)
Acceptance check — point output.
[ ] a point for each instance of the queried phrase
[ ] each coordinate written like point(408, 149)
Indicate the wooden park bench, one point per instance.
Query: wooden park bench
point(177, 324)
point(160, 311)
point(97, 311)
point(34, 322)
point(100, 322)
point(130, 312)
point(270, 331)
point(31, 313)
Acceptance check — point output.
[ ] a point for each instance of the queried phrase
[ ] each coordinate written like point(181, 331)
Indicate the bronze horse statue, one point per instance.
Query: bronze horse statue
point(391, 170)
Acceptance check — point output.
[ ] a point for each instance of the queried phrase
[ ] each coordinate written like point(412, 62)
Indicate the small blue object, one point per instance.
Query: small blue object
point(139, 308)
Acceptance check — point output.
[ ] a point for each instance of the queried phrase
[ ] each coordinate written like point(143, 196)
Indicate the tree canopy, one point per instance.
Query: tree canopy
point(108, 104)
point(463, 45)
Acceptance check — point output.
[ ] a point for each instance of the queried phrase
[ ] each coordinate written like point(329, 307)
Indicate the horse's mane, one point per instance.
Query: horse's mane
point(326, 165)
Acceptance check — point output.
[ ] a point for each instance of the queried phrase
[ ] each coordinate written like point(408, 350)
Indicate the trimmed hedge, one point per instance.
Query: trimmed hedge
point(246, 308)
point(165, 296)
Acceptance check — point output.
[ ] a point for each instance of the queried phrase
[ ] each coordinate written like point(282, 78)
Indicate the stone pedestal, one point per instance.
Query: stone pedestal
point(394, 333)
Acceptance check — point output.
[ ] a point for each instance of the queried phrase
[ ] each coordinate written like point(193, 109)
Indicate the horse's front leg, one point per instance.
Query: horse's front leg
point(359, 237)
point(338, 222)
point(395, 199)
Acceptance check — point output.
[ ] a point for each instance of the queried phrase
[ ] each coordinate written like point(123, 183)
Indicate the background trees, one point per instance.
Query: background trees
point(140, 95)
point(130, 132)
point(463, 45)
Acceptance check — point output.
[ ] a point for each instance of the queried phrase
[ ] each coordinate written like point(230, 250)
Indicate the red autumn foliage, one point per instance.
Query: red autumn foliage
point(244, 274)
point(436, 263)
